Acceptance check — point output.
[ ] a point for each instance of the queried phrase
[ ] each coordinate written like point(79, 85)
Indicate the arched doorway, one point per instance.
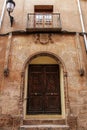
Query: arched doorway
point(43, 88)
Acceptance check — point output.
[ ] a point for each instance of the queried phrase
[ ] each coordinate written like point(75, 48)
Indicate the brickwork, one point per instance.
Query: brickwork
point(65, 48)
point(7, 122)
point(18, 48)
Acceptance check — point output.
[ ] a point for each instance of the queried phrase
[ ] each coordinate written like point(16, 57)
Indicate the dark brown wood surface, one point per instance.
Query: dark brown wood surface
point(43, 96)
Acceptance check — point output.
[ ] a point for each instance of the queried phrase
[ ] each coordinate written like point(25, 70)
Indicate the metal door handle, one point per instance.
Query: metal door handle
point(52, 93)
point(35, 94)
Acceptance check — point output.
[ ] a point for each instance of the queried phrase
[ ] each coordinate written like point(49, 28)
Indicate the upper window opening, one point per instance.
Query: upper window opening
point(43, 15)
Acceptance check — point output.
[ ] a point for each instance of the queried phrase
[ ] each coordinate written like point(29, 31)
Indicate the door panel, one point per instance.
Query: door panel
point(35, 83)
point(51, 104)
point(51, 83)
point(43, 90)
point(35, 104)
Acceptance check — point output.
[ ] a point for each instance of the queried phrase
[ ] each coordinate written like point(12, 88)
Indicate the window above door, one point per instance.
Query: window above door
point(43, 15)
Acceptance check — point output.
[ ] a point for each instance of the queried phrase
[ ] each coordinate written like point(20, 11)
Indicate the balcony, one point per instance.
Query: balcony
point(43, 22)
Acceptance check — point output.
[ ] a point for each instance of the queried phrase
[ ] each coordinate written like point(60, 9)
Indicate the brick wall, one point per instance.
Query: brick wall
point(22, 47)
point(15, 50)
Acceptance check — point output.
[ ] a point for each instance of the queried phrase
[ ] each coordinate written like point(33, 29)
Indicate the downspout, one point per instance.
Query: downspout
point(2, 14)
point(82, 23)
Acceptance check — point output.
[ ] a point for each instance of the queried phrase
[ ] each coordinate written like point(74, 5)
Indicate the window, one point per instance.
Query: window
point(39, 19)
point(48, 19)
point(43, 15)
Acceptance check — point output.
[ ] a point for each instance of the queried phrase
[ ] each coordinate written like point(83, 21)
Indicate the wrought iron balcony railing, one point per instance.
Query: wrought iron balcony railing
point(43, 22)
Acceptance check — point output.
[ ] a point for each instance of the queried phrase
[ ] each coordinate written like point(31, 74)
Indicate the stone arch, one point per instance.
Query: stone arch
point(45, 53)
point(58, 60)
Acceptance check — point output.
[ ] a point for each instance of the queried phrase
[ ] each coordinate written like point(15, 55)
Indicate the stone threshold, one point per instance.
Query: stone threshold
point(45, 126)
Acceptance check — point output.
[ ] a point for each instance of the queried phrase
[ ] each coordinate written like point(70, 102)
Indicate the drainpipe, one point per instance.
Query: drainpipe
point(2, 14)
point(82, 23)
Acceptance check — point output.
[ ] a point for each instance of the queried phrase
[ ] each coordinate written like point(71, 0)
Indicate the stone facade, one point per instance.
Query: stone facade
point(17, 47)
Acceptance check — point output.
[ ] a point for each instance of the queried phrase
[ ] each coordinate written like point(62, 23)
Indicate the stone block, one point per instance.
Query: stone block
point(6, 121)
point(72, 122)
point(16, 121)
point(5, 128)
point(38, 122)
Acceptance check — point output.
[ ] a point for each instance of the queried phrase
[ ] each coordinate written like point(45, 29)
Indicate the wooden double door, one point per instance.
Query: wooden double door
point(43, 94)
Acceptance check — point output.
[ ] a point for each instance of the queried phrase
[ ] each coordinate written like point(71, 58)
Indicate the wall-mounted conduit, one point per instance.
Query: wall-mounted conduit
point(82, 23)
point(2, 14)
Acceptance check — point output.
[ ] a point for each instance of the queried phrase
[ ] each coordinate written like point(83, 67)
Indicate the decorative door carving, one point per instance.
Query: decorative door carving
point(43, 95)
